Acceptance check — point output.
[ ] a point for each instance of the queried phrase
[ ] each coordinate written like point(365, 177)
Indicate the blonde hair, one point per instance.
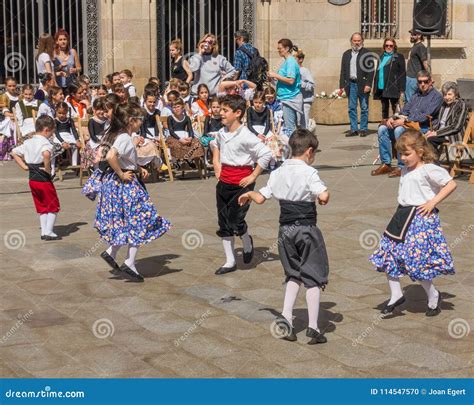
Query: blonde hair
point(215, 47)
point(177, 44)
point(46, 45)
point(4, 100)
point(415, 140)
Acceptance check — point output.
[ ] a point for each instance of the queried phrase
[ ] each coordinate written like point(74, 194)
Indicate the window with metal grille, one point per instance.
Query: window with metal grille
point(379, 18)
point(24, 21)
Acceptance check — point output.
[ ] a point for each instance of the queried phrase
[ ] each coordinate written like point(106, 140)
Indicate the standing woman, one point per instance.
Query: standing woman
point(307, 86)
point(44, 57)
point(390, 77)
point(125, 212)
point(179, 66)
point(66, 60)
point(288, 87)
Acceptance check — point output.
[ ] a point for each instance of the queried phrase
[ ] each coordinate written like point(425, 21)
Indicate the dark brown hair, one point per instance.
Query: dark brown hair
point(301, 140)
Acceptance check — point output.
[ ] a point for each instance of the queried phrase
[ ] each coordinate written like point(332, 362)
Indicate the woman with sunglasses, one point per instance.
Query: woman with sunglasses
point(390, 77)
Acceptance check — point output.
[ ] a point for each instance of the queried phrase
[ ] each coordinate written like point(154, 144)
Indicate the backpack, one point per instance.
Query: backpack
point(258, 67)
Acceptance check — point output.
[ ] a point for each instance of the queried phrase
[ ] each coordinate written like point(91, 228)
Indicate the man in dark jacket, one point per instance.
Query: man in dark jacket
point(357, 74)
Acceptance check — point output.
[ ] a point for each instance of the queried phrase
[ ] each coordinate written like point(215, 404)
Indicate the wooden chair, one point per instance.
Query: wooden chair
point(162, 147)
point(466, 146)
point(60, 170)
point(83, 131)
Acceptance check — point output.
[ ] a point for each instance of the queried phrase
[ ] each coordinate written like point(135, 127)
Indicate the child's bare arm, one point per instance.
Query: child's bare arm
point(426, 208)
point(323, 198)
point(19, 161)
point(251, 196)
point(216, 162)
point(47, 161)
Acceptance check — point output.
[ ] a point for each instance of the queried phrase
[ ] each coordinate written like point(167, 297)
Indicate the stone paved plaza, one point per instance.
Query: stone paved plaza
point(64, 315)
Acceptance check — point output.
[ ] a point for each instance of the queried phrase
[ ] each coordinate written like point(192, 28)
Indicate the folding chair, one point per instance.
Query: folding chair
point(466, 146)
point(162, 147)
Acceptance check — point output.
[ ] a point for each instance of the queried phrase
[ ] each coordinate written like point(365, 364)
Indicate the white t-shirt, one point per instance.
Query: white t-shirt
point(41, 62)
point(127, 152)
point(294, 180)
point(422, 184)
point(32, 149)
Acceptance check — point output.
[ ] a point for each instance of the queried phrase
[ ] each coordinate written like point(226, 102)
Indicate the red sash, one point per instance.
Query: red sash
point(233, 174)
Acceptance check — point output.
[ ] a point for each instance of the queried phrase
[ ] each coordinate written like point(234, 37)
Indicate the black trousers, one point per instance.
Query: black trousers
point(385, 106)
point(230, 215)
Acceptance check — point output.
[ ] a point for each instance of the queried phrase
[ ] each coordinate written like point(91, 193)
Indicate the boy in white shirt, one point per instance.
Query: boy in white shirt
point(239, 157)
point(296, 185)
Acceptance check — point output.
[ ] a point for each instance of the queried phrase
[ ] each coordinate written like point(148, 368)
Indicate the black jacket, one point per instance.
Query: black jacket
point(365, 70)
point(394, 77)
point(455, 121)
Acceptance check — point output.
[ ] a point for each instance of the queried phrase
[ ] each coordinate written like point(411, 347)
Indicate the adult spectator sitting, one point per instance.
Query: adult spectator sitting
point(243, 54)
point(419, 113)
point(208, 66)
point(390, 77)
point(357, 75)
point(452, 118)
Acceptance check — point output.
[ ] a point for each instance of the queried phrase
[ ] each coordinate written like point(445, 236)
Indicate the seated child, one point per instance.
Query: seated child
point(147, 150)
point(46, 82)
point(66, 132)
point(200, 106)
point(96, 129)
point(24, 110)
point(7, 129)
point(212, 124)
point(243, 88)
point(126, 77)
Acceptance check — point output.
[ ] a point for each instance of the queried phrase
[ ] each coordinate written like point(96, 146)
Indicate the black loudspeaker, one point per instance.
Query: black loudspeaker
point(429, 17)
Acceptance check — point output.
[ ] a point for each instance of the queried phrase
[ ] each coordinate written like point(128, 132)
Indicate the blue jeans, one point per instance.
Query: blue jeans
point(364, 108)
point(386, 135)
point(411, 87)
point(291, 118)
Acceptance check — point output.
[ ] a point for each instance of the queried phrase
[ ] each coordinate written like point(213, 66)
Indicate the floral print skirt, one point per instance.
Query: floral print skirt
point(423, 255)
point(125, 213)
point(93, 185)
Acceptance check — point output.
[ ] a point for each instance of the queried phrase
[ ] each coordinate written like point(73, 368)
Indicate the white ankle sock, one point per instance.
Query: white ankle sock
point(247, 242)
point(74, 157)
point(291, 292)
point(51, 218)
point(228, 243)
point(431, 292)
point(132, 254)
point(44, 223)
point(113, 250)
point(313, 295)
point(395, 289)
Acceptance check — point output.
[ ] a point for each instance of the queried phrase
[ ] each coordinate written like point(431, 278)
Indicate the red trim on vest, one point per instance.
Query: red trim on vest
point(233, 174)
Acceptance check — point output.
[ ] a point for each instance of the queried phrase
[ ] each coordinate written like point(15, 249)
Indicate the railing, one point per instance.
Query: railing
point(379, 18)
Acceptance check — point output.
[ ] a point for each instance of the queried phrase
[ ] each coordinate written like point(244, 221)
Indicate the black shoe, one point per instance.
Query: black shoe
point(135, 277)
point(224, 270)
point(43, 237)
point(363, 134)
point(284, 330)
point(434, 311)
point(315, 336)
point(248, 256)
point(352, 133)
point(389, 308)
point(110, 261)
point(47, 237)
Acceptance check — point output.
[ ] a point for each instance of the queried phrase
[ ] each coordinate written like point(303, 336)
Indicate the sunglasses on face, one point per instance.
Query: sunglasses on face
point(423, 81)
point(388, 45)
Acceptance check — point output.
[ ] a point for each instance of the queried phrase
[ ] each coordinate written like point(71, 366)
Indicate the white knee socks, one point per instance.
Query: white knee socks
point(247, 242)
point(113, 250)
point(228, 243)
point(431, 292)
point(75, 155)
point(313, 295)
point(291, 292)
point(132, 254)
point(395, 289)
point(44, 223)
point(51, 218)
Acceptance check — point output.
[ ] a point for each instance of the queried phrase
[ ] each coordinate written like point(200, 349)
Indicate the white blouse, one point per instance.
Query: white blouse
point(127, 152)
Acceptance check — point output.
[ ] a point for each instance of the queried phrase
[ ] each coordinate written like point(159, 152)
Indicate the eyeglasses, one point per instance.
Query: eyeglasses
point(389, 45)
point(423, 81)
point(139, 118)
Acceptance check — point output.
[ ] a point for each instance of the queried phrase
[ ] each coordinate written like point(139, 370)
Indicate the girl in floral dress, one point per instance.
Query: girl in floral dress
point(125, 212)
point(413, 243)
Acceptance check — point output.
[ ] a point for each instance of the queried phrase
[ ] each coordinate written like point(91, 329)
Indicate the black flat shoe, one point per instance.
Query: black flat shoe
point(47, 237)
point(248, 256)
point(135, 277)
point(224, 270)
point(110, 261)
point(352, 133)
point(363, 134)
point(434, 311)
point(43, 237)
point(284, 330)
point(389, 308)
point(316, 337)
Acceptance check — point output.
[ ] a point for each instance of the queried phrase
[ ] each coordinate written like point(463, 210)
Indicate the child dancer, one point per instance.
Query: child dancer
point(258, 116)
point(125, 213)
point(147, 145)
point(413, 243)
point(66, 132)
point(34, 155)
point(301, 245)
point(236, 152)
point(200, 106)
point(126, 77)
point(24, 110)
